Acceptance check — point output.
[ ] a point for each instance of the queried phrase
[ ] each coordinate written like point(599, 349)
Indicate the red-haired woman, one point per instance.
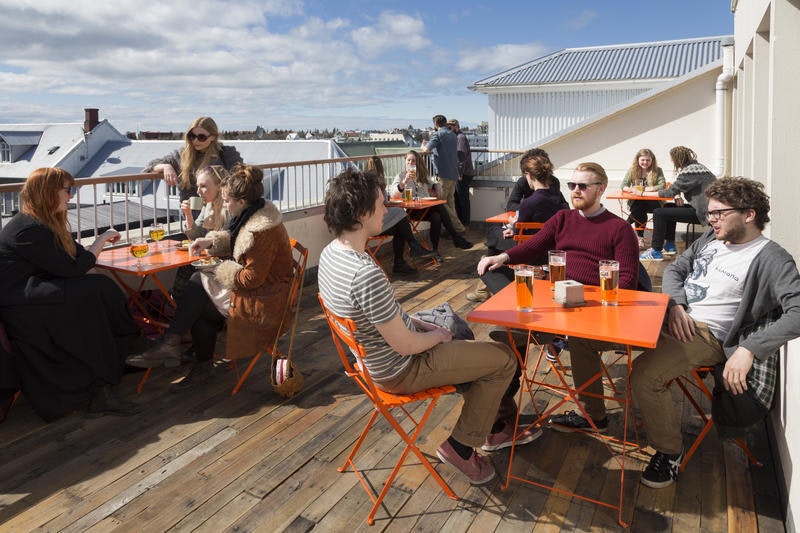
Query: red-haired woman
point(70, 328)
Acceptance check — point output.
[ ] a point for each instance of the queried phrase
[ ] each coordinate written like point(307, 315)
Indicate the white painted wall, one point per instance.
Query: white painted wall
point(765, 141)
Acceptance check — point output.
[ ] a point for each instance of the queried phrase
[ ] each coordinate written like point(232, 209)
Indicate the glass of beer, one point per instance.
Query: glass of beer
point(157, 232)
point(557, 262)
point(523, 280)
point(609, 282)
point(139, 249)
point(408, 194)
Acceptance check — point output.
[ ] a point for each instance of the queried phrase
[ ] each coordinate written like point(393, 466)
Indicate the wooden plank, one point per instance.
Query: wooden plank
point(739, 490)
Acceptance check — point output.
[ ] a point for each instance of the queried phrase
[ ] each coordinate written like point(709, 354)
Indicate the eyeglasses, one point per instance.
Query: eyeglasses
point(581, 186)
point(716, 214)
point(202, 137)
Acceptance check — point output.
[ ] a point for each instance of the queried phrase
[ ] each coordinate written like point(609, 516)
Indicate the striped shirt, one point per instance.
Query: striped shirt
point(354, 287)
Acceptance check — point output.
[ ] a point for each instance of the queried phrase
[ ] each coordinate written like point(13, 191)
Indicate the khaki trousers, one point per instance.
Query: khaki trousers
point(449, 189)
point(486, 366)
point(655, 368)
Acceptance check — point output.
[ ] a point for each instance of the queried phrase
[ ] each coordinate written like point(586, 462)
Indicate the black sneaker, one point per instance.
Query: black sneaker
point(404, 268)
point(662, 470)
point(572, 421)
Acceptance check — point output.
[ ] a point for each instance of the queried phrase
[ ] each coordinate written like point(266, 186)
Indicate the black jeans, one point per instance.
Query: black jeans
point(437, 217)
point(666, 218)
point(198, 314)
point(401, 234)
point(638, 213)
point(462, 199)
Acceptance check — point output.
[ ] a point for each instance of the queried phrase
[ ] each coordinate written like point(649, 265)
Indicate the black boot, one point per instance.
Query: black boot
point(403, 268)
point(417, 250)
point(461, 242)
point(199, 375)
point(167, 353)
point(106, 402)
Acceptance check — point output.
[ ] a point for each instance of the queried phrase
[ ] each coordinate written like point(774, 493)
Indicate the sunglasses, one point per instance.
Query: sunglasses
point(202, 137)
point(581, 186)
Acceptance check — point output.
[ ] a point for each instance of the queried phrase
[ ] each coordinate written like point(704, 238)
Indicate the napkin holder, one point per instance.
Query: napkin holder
point(569, 293)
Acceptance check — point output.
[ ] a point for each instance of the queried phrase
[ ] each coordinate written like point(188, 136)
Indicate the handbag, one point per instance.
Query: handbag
point(733, 414)
point(285, 377)
point(220, 295)
point(444, 316)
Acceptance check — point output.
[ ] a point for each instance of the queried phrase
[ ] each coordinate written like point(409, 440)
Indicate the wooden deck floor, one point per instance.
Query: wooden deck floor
point(206, 461)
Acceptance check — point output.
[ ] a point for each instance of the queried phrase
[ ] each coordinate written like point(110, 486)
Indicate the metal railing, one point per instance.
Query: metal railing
point(132, 202)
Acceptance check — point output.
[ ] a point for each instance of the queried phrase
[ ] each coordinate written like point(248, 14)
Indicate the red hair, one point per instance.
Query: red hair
point(40, 200)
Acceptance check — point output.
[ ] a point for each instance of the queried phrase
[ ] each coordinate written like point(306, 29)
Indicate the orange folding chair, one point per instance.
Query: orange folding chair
point(695, 380)
point(299, 258)
point(343, 332)
point(521, 236)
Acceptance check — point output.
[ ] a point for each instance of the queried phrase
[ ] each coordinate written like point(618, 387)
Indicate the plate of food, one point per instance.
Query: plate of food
point(184, 244)
point(207, 262)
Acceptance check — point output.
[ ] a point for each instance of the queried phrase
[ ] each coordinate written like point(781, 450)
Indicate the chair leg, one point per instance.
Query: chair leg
point(246, 373)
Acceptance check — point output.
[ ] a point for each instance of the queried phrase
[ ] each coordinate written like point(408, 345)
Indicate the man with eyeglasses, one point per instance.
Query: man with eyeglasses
point(734, 301)
point(588, 233)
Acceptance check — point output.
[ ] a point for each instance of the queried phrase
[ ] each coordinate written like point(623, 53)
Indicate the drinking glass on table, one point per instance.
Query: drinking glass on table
point(157, 232)
point(408, 194)
point(139, 248)
point(609, 282)
point(557, 263)
point(523, 282)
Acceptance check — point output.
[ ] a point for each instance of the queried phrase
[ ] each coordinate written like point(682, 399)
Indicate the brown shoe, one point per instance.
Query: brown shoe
point(479, 293)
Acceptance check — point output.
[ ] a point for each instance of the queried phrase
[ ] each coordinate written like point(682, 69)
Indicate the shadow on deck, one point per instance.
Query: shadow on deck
point(204, 460)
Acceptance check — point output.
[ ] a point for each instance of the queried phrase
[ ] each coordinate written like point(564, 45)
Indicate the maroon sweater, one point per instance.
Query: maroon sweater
point(587, 241)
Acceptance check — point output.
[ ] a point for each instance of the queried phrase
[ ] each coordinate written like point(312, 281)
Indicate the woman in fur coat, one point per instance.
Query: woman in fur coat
point(246, 290)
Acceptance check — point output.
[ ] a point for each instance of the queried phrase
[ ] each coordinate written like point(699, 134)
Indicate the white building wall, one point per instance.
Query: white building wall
point(765, 141)
point(518, 121)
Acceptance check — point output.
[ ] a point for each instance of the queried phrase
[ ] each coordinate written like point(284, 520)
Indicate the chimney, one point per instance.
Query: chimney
point(90, 119)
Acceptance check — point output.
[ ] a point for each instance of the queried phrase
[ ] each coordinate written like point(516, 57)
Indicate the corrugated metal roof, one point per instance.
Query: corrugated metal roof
point(21, 138)
point(626, 62)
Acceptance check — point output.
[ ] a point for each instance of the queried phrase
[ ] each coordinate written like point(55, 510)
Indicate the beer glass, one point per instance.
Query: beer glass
point(609, 282)
point(157, 232)
point(557, 262)
point(523, 281)
point(138, 250)
point(408, 194)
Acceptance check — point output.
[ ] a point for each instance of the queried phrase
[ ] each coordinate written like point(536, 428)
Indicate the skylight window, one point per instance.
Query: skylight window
point(52, 150)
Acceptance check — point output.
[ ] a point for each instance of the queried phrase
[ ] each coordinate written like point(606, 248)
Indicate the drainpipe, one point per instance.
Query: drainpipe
point(723, 85)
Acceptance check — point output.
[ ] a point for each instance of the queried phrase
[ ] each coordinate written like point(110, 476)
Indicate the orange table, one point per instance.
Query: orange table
point(422, 205)
point(622, 195)
point(161, 257)
point(636, 321)
point(501, 218)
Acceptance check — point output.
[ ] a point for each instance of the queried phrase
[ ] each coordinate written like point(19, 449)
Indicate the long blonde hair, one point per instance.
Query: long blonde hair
point(191, 159)
point(636, 171)
point(215, 218)
point(39, 198)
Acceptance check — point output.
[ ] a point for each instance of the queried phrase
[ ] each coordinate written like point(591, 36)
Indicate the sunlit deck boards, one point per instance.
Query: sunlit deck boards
point(204, 460)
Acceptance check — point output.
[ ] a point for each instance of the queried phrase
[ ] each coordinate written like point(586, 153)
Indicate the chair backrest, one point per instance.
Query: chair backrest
point(522, 227)
point(299, 260)
point(343, 331)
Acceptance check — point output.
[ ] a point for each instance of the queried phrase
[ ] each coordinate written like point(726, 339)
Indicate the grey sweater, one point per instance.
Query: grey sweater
point(769, 313)
point(692, 182)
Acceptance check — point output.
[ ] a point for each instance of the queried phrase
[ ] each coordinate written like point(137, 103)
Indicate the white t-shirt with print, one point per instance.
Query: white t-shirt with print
point(714, 288)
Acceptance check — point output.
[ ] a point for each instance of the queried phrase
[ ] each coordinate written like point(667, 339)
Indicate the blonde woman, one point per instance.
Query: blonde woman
point(202, 149)
point(213, 216)
point(644, 175)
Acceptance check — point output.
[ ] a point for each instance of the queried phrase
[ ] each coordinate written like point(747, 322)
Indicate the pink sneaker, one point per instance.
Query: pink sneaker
point(504, 438)
point(476, 468)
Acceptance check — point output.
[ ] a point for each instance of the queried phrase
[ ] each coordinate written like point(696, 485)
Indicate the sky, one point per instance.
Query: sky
point(300, 64)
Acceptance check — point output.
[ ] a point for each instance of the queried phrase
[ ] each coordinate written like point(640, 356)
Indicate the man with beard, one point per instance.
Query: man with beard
point(588, 233)
point(734, 301)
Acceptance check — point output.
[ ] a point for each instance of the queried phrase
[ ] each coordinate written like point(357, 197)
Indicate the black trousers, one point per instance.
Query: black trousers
point(198, 314)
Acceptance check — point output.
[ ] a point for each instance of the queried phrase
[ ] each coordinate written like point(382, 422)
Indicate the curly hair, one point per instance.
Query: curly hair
point(741, 193)
point(245, 182)
point(39, 199)
point(636, 170)
point(191, 159)
point(594, 168)
point(537, 163)
point(351, 195)
point(682, 156)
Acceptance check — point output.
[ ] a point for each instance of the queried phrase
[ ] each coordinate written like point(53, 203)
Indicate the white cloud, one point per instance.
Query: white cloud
point(497, 58)
point(391, 31)
point(582, 20)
